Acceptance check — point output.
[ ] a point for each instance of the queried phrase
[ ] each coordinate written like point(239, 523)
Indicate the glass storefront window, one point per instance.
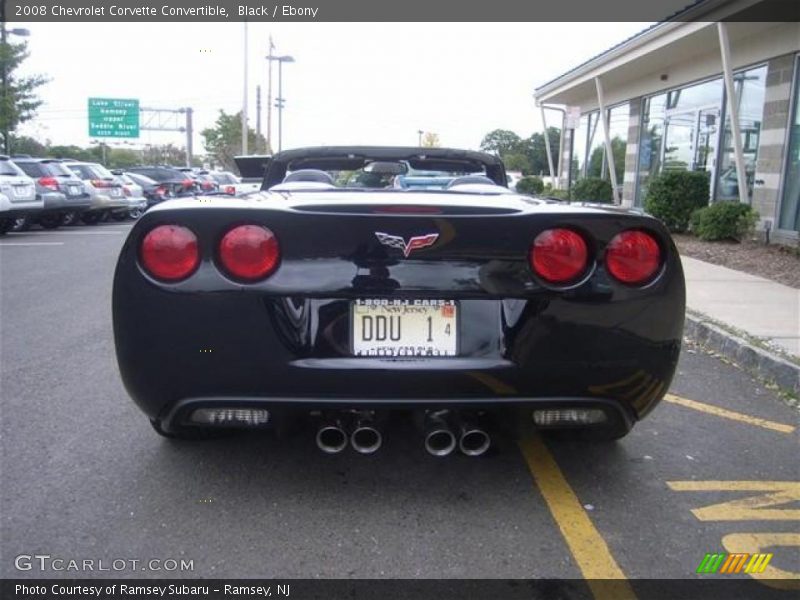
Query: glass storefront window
point(749, 88)
point(595, 147)
point(790, 203)
point(579, 148)
point(652, 134)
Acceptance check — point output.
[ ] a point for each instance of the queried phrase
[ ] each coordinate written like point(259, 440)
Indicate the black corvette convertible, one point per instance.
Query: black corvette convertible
point(363, 283)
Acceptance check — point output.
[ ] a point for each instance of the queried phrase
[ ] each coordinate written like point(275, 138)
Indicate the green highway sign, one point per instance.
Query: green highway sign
point(113, 117)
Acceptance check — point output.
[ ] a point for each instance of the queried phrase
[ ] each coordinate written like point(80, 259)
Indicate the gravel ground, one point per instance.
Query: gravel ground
point(778, 263)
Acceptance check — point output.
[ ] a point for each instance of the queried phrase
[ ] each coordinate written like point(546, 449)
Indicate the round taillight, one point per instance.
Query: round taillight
point(170, 253)
point(633, 257)
point(559, 255)
point(249, 252)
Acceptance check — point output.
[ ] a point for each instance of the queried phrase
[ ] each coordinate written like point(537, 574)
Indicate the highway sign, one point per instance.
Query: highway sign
point(113, 117)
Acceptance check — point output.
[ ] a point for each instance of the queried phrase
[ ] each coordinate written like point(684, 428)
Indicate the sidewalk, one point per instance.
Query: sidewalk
point(747, 316)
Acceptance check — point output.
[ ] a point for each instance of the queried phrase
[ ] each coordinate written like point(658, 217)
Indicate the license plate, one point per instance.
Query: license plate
point(21, 191)
point(74, 190)
point(384, 327)
point(116, 192)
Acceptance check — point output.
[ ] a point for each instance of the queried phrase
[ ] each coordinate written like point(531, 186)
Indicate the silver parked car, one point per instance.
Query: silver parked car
point(17, 194)
point(63, 193)
point(134, 194)
point(106, 193)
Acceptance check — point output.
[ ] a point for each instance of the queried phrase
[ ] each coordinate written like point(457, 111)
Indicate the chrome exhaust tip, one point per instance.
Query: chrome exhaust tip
point(331, 439)
point(366, 439)
point(474, 441)
point(440, 442)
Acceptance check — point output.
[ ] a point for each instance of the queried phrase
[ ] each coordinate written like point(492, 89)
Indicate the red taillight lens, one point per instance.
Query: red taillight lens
point(188, 183)
point(249, 252)
point(101, 183)
point(161, 190)
point(558, 255)
point(49, 182)
point(230, 190)
point(633, 257)
point(170, 253)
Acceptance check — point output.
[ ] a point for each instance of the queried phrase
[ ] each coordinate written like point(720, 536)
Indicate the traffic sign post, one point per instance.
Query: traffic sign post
point(113, 117)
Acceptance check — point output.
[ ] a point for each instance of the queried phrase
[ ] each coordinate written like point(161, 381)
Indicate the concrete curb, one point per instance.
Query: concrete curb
point(758, 361)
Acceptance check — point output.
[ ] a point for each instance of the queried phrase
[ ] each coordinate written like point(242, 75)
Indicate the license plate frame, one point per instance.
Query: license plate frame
point(446, 312)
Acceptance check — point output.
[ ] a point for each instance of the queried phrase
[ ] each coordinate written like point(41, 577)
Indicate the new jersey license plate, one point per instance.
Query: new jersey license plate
point(391, 327)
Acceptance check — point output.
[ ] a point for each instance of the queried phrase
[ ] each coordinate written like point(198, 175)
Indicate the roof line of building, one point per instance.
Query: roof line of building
point(691, 12)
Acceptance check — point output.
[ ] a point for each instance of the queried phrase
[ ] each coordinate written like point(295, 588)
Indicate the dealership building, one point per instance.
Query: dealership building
point(706, 91)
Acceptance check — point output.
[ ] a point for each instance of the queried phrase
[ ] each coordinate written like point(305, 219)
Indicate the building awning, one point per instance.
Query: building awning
point(663, 56)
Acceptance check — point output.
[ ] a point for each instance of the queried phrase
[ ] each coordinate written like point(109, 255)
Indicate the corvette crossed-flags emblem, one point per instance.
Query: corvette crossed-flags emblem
point(414, 243)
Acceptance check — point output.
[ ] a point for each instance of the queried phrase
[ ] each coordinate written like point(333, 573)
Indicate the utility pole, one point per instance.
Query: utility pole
point(419, 137)
point(189, 133)
point(269, 95)
point(258, 117)
point(4, 47)
point(244, 97)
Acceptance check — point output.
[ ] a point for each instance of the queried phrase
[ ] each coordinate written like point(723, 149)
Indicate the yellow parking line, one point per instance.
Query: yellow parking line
point(605, 578)
point(729, 414)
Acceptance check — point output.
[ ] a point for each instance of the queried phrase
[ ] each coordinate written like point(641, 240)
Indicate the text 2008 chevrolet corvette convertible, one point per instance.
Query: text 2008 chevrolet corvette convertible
point(361, 282)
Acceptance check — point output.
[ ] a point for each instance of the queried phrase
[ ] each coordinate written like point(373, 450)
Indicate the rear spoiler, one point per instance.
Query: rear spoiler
point(252, 166)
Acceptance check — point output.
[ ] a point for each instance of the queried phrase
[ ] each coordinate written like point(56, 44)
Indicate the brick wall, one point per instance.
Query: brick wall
point(772, 139)
point(632, 152)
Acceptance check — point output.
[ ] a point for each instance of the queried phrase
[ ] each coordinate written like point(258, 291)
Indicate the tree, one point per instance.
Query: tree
point(536, 150)
point(501, 142)
point(27, 145)
point(431, 140)
point(74, 152)
point(517, 162)
point(122, 158)
point(596, 168)
point(224, 140)
point(18, 99)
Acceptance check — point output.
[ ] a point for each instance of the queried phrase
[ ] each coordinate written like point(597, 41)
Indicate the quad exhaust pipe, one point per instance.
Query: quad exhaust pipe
point(331, 437)
point(366, 438)
point(442, 438)
point(357, 430)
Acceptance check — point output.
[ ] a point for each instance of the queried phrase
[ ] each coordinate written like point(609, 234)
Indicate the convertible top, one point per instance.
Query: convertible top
point(351, 158)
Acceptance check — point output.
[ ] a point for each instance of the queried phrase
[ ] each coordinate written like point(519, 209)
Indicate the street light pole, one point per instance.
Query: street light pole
point(419, 137)
point(279, 101)
point(244, 97)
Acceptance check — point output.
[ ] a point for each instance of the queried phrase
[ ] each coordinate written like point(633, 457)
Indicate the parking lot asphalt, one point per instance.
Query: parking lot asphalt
point(714, 469)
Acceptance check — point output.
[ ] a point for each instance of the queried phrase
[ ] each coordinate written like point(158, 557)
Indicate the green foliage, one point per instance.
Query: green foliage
point(528, 155)
point(592, 189)
point(122, 158)
point(530, 185)
point(723, 221)
point(673, 196)
point(224, 140)
point(18, 102)
point(595, 166)
point(88, 154)
point(551, 192)
point(27, 145)
point(517, 162)
point(501, 142)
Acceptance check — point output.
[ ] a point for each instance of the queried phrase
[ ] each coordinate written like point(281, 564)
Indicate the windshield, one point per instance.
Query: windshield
point(57, 169)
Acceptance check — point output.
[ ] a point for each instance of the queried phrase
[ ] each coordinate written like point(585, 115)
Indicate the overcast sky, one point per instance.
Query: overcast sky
point(352, 83)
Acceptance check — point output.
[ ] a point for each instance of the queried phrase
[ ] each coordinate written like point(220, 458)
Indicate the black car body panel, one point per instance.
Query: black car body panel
point(284, 342)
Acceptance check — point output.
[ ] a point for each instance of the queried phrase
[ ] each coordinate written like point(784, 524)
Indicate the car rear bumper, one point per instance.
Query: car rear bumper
point(515, 412)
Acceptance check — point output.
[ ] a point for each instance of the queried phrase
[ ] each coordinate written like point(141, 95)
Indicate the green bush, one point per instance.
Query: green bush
point(592, 189)
point(673, 196)
point(530, 185)
point(723, 221)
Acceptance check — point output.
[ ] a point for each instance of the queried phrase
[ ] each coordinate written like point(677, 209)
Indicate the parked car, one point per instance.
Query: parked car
point(179, 183)
point(135, 195)
point(154, 192)
point(17, 194)
point(62, 192)
point(228, 183)
point(202, 179)
point(106, 193)
point(468, 307)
